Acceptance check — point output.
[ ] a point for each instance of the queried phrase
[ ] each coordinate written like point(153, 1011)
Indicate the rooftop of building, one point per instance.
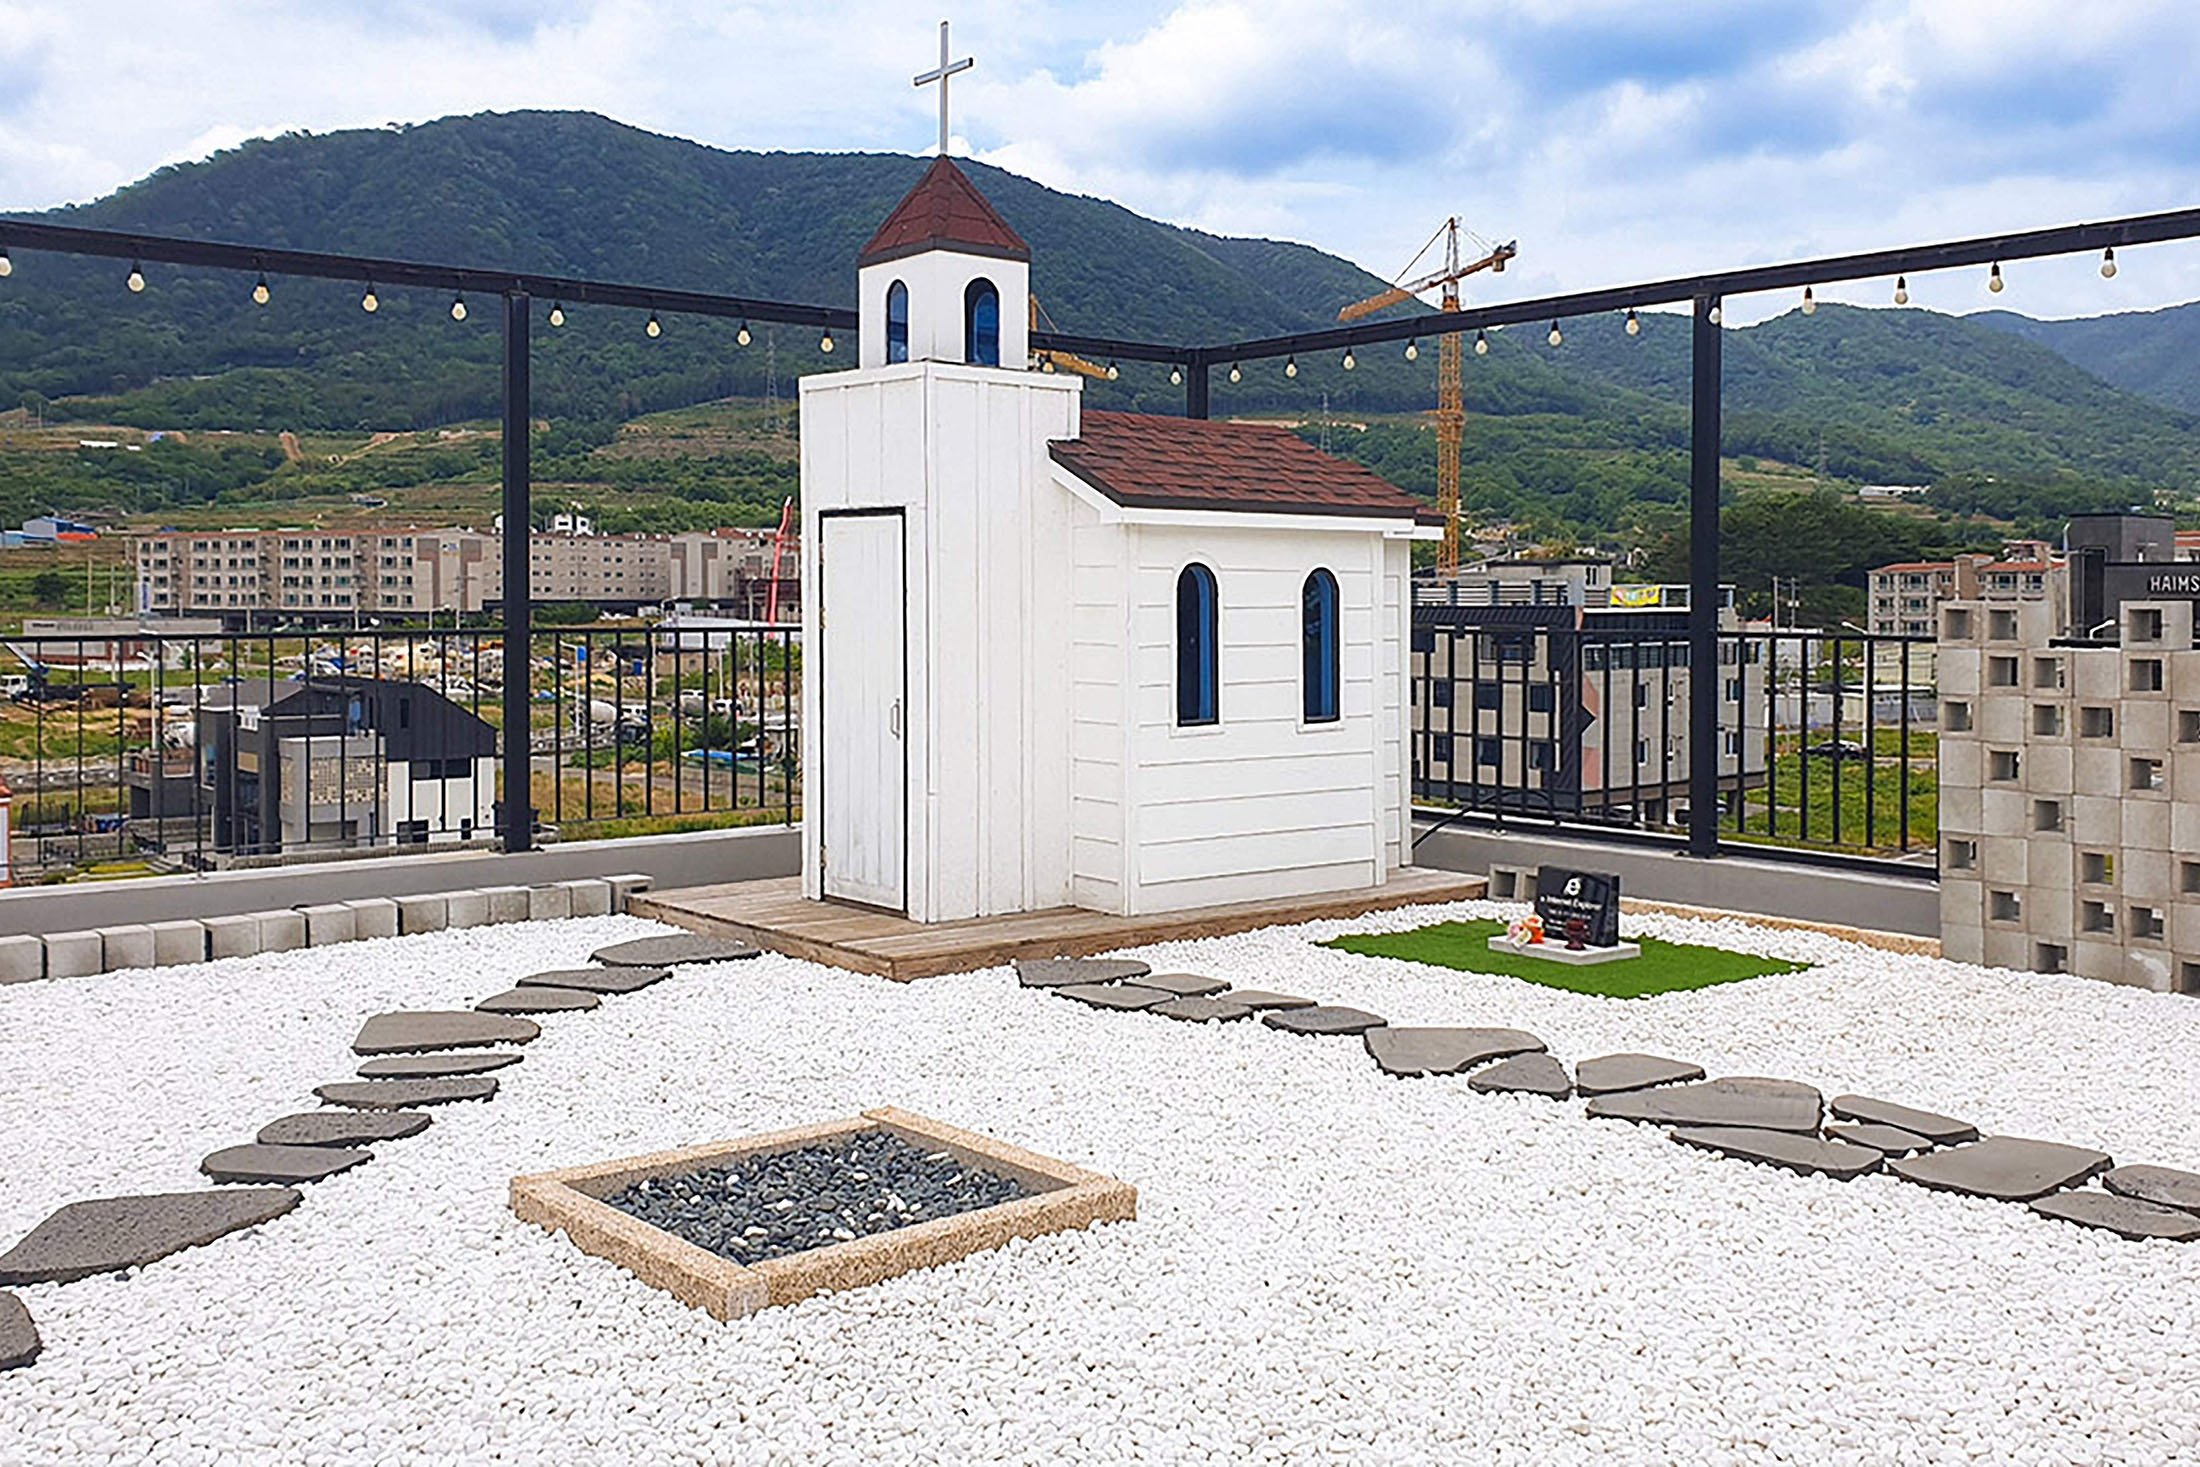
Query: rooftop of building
point(1151, 462)
point(944, 211)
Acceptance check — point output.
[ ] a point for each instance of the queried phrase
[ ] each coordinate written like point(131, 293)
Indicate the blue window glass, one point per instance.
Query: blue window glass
point(897, 322)
point(1318, 647)
point(982, 324)
point(1195, 645)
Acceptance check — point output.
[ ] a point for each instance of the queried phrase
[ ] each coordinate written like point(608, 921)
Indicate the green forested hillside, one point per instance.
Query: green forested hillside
point(2152, 354)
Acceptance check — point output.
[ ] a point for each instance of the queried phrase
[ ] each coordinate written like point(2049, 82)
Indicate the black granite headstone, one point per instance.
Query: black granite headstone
point(1564, 896)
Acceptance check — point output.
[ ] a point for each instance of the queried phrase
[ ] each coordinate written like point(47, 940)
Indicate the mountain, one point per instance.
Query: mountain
point(2153, 354)
point(1584, 434)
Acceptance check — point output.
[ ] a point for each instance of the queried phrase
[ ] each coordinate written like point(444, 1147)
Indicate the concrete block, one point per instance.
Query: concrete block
point(2049, 912)
point(2184, 776)
point(2184, 831)
point(2155, 970)
point(2184, 677)
point(1962, 903)
point(1962, 762)
point(2005, 812)
point(2184, 927)
point(233, 937)
point(2146, 727)
point(2146, 824)
point(22, 959)
point(2050, 862)
point(2097, 821)
point(2147, 876)
point(2004, 861)
point(2036, 623)
point(1962, 809)
point(465, 908)
point(179, 942)
point(506, 903)
point(74, 954)
point(623, 887)
point(592, 898)
point(2096, 676)
point(1958, 668)
point(2093, 959)
point(422, 913)
point(2008, 947)
point(2095, 771)
point(282, 932)
point(548, 903)
point(373, 917)
point(127, 946)
point(1963, 944)
point(2047, 768)
point(2002, 720)
point(328, 924)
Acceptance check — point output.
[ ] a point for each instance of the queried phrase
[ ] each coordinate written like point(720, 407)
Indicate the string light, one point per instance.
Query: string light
point(825, 343)
point(1993, 278)
point(653, 328)
point(1046, 362)
point(1176, 376)
point(1713, 315)
point(1634, 323)
point(458, 307)
point(1555, 337)
point(1413, 350)
point(1114, 372)
point(136, 282)
point(7, 266)
point(1901, 290)
point(259, 290)
point(1290, 366)
point(1350, 361)
point(1810, 302)
point(1481, 343)
point(369, 302)
point(2108, 263)
point(1237, 374)
point(557, 314)
point(742, 337)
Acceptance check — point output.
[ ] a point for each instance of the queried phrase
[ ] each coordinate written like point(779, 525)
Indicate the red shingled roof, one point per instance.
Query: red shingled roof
point(944, 211)
point(1194, 463)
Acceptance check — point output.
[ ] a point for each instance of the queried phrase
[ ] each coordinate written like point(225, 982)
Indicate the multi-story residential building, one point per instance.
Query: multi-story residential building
point(1541, 686)
point(1905, 598)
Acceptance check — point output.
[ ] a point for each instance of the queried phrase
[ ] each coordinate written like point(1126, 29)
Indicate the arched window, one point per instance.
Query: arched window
point(1318, 646)
point(897, 322)
point(1195, 645)
point(982, 324)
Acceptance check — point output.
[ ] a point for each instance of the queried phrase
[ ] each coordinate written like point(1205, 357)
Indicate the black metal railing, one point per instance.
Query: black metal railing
point(1824, 741)
point(150, 750)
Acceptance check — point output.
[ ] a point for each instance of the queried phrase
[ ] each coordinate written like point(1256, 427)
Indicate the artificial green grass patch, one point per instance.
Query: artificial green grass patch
point(1664, 967)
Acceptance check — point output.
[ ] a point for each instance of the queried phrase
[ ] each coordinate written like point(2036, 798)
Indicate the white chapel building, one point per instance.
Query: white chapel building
point(1057, 658)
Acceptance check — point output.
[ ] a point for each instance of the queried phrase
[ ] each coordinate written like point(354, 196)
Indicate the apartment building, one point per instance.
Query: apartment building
point(1905, 598)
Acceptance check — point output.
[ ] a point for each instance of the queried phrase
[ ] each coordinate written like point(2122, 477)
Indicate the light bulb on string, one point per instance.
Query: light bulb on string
point(1714, 314)
point(1290, 366)
point(1413, 350)
point(1481, 343)
point(1046, 362)
point(1114, 372)
point(2108, 263)
point(742, 337)
point(557, 314)
point(825, 343)
point(7, 266)
point(260, 291)
point(1810, 302)
point(1901, 290)
point(1237, 373)
point(136, 282)
point(1350, 361)
point(1993, 278)
point(1176, 376)
point(370, 302)
point(1556, 336)
point(653, 329)
point(458, 307)
point(1634, 322)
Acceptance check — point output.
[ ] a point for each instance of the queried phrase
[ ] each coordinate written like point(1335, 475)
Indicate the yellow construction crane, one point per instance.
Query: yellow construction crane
point(1049, 361)
point(1451, 413)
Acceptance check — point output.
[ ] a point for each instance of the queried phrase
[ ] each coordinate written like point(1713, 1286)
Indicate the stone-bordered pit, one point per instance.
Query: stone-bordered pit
point(736, 1226)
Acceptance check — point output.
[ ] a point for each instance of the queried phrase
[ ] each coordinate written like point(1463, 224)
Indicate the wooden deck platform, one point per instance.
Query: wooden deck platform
point(775, 915)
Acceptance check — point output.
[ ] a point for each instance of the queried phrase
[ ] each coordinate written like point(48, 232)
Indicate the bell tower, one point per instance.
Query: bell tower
point(944, 280)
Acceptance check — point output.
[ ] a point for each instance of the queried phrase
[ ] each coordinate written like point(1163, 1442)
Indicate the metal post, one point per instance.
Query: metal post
point(1195, 387)
point(518, 594)
point(1703, 584)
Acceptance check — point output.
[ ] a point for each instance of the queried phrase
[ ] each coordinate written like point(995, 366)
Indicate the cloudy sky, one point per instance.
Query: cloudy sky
point(1615, 139)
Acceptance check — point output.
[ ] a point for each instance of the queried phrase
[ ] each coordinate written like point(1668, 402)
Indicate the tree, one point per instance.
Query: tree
point(50, 588)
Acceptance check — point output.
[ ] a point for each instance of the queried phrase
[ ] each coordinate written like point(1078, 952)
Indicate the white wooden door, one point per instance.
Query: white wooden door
point(866, 776)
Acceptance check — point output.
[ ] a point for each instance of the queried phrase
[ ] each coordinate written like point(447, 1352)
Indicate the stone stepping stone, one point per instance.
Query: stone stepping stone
point(537, 1001)
point(423, 1066)
point(19, 1344)
point(399, 1094)
point(1609, 1074)
point(2008, 1168)
point(1886, 1140)
point(2126, 1216)
point(1061, 972)
point(1789, 1149)
point(2160, 1185)
point(1185, 985)
point(1940, 1130)
point(1115, 995)
point(1323, 1018)
point(673, 949)
point(109, 1234)
point(1261, 998)
point(341, 1127)
point(597, 980)
point(1525, 1074)
point(276, 1163)
point(1202, 1010)
point(1745, 1102)
point(1411, 1052)
point(405, 1032)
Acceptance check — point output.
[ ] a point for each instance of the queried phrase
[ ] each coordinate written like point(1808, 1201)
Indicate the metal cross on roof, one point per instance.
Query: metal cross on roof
point(945, 70)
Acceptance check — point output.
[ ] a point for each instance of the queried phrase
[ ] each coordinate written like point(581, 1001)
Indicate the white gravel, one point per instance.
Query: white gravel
point(1328, 1264)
